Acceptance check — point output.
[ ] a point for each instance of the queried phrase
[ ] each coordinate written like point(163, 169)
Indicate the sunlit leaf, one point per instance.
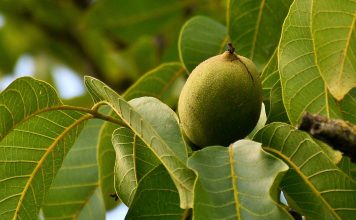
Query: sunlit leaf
point(303, 88)
point(36, 134)
point(333, 27)
point(255, 27)
point(156, 198)
point(76, 183)
point(200, 38)
point(235, 182)
point(315, 186)
point(166, 142)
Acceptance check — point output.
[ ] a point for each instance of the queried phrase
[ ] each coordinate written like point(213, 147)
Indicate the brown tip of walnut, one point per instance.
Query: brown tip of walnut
point(230, 48)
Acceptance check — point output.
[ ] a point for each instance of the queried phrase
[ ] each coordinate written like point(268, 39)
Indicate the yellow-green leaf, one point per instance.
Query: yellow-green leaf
point(303, 88)
point(333, 27)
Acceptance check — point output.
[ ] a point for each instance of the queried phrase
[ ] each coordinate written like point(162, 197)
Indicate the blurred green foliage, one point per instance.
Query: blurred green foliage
point(115, 41)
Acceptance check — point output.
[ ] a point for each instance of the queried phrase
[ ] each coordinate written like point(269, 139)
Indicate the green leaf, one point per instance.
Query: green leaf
point(348, 106)
point(133, 160)
point(231, 181)
point(163, 82)
point(164, 121)
point(272, 92)
point(76, 183)
point(166, 142)
point(106, 163)
point(348, 167)
point(333, 26)
point(334, 156)
point(94, 208)
point(156, 198)
point(255, 27)
point(36, 134)
point(315, 186)
point(200, 38)
point(303, 88)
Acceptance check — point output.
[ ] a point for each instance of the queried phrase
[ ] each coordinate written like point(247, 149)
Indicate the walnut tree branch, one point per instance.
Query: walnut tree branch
point(339, 134)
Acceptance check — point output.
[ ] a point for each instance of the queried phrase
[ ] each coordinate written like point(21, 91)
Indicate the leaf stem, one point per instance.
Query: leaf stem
point(339, 134)
point(94, 112)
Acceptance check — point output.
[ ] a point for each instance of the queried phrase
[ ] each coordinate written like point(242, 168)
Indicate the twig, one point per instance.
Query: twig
point(339, 134)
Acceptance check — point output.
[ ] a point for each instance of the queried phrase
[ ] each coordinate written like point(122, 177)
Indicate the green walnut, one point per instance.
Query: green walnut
point(221, 100)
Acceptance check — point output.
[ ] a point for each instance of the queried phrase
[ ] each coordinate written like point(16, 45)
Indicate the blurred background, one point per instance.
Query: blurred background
point(116, 41)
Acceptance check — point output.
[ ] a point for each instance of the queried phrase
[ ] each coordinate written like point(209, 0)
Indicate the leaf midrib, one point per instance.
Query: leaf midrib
point(347, 47)
point(27, 117)
point(148, 144)
point(92, 112)
point(301, 174)
point(234, 181)
point(105, 95)
point(315, 59)
point(292, 118)
point(259, 18)
point(41, 161)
